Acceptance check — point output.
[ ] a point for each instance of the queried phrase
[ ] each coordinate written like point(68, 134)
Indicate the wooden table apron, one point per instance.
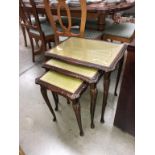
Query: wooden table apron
point(107, 73)
point(98, 10)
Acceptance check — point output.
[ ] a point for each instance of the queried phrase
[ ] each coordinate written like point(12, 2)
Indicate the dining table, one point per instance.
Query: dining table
point(95, 10)
point(104, 58)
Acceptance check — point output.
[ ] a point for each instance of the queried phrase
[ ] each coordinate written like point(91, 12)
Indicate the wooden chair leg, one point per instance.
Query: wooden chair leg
point(49, 45)
point(32, 46)
point(93, 94)
point(44, 94)
point(118, 75)
point(76, 108)
point(56, 100)
point(37, 44)
point(105, 93)
point(24, 34)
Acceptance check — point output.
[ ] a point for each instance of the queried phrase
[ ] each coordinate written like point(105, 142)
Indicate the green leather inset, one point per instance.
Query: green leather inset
point(46, 28)
point(85, 71)
point(125, 30)
point(62, 81)
point(90, 34)
point(90, 23)
point(41, 19)
point(92, 51)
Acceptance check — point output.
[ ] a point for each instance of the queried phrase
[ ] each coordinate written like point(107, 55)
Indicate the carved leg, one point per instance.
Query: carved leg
point(105, 93)
point(76, 108)
point(93, 94)
point(44, 94)
point(118, 75)
point(56, 100)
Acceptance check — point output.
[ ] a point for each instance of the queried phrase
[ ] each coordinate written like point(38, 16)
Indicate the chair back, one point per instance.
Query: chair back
point(63, 30)
point(27, 12)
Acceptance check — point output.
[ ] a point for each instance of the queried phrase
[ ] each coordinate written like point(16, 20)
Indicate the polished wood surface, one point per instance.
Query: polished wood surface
point(102, 7)
point(98, 10)
point(125, 114)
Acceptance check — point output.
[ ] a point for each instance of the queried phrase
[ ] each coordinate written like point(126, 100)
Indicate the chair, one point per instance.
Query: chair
point(91, 27)
point(91, 24)
point(38, 30)
point(41, 19)
point(23, 31)
point(121, 32)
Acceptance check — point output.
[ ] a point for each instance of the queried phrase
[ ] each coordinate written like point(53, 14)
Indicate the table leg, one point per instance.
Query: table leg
point(24, 34)
point(77, 111)
point(93, 94)
point(44, 94)
point(56, 100)
point(118, 75)
point(106, 84)
point(101, 21)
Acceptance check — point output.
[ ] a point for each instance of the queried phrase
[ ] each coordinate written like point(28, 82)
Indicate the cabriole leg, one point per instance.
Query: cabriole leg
point(56, 100)
point(44, 94)
point(77, 111)
point(118, 75)
point(93, 94)
point(105, 93)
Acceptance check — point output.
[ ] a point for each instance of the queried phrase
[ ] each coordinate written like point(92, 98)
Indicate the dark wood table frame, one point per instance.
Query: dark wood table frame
point(107, 72)
point(94, 11)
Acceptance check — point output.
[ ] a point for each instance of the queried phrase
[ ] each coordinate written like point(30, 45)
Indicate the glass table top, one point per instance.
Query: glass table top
point(92, 51)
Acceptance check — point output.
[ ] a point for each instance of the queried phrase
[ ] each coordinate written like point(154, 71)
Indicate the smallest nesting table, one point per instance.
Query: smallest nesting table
point(66, 86)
